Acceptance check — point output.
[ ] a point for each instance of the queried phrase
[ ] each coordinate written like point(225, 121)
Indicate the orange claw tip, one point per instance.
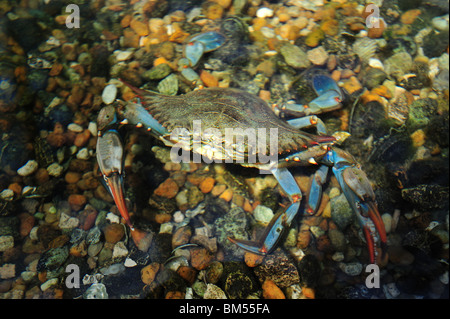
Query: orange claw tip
point(141, 239)
point(114, 183)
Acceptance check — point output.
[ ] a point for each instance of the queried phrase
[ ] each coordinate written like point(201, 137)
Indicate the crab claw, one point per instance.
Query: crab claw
point(359, 194)
point(110, 161)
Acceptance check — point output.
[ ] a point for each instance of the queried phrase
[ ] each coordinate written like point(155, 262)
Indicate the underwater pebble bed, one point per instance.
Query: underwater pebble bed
point(55, 212)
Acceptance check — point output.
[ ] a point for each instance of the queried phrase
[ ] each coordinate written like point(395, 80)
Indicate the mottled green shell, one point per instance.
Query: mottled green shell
point(222, 108)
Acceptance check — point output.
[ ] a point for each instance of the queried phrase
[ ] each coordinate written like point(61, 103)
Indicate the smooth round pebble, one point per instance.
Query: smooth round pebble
point(29, 168)
point(109, 94)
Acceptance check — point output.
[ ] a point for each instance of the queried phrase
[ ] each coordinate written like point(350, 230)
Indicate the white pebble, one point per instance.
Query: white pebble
point(120, 250)
point(7, 194)
point(441, 23)
point(92, 127)
point(376, 64)
point(338, 256)
point(214, 292)
point(33, 233)
point(68, 222)
point(264, 12)
point(113, 218)
point(109, 94)
point(178, 217)
point(55, 170)
point(123, 55)
point(75, 128)
point(166, 228)
point(263, 214)
point(49, 283)
point(129, 263)
point(29, 168)
point(83, 154)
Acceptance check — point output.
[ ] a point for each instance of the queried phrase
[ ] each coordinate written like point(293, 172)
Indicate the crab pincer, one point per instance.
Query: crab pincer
point(202, 43)
point(110, 162)
point(359, 193)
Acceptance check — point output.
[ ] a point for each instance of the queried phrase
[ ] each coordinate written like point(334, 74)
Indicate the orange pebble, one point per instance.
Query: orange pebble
point(16, 188)
point(160, 60)
point(208, 79)
point(227, 194)
point(253, 260)
point(265, 95)
point(207, 185)
point(271, 290)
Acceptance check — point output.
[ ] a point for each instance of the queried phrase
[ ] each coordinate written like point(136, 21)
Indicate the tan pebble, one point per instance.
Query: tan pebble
point(253, 260)
point(148, 273)
point(41, 176)
point(352, 85)
point(200, 258)
point(175, 295)
point(82, 138)
point(181, 236)
point(72, 177)
point(271, 290)
point(336, 75)
point(418, 138)
point(113, 233)
point(77, 201)
point(247, 206)
point(26, 224)
point(168, 189)
point(303, 237)
point(227, 195)
point(125, 22)
point(139, 27)
point(214, 11)
point(218, 189)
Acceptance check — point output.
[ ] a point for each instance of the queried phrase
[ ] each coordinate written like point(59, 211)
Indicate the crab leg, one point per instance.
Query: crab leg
point(359, 194)
point(309, 121)
point(110, 161)
point(280, 221)
point(315, 190)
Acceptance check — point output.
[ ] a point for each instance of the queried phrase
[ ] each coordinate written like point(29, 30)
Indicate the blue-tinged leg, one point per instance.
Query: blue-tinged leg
point(281, 221)
point(323, 83)
point(211, 40)
point(359, 194)
point(136, 114)
point(328, 101)
point(309, 121)
point(315, 190)
point(193, 51)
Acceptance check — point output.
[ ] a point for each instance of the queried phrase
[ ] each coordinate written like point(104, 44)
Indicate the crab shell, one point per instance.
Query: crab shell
point(217, 111)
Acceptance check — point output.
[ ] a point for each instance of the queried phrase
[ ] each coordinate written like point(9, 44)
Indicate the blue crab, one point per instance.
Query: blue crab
point(222, 108)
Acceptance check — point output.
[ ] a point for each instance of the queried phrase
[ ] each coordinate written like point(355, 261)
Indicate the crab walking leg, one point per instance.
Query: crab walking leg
point(110, 162)
point(134, 113)
point(315, 190)
point(280, 221)
point(309, 121)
